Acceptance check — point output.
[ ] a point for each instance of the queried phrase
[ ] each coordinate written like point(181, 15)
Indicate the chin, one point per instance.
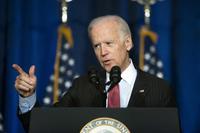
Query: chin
point(108, 68)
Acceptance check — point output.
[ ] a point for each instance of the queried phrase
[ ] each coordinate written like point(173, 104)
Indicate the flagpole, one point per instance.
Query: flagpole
point(145, 30)
point(65, 31)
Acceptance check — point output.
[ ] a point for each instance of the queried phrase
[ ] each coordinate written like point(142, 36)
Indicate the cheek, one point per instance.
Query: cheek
point(117, 55)
point(97, 54)
point(120, 55)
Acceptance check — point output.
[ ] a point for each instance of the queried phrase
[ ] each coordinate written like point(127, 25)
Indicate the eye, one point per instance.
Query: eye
point(96, 46)
point(109, 43)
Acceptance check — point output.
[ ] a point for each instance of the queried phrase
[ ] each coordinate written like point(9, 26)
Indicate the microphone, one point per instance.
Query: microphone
point(115, 76)
point(94, 79)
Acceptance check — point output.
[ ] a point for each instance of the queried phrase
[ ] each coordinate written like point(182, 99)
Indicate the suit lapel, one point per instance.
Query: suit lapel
point(102, 76)
point(137, 98)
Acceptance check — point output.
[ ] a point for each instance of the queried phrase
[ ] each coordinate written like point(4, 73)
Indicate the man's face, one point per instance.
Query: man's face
point(110, 48)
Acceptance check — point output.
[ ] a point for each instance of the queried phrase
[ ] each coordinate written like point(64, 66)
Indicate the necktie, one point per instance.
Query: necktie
point(114, 97)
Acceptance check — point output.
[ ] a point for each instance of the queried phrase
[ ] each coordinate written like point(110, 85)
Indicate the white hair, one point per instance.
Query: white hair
point(123, 26)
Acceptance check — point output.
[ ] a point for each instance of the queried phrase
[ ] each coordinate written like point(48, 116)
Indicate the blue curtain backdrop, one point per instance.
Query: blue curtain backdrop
point(28, 35)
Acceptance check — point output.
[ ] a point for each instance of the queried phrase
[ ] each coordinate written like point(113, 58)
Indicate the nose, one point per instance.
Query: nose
point(104, 50)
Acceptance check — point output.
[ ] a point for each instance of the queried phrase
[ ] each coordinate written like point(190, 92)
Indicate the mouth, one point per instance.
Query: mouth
point(106, 62)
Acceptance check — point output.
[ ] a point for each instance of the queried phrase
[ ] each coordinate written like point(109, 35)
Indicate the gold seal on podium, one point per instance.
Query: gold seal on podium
point(104, 125)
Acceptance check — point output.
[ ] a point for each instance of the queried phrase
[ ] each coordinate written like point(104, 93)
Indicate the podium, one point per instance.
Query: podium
point(104, 120)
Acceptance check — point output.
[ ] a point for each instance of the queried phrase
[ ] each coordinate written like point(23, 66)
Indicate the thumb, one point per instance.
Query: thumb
point(32, 71)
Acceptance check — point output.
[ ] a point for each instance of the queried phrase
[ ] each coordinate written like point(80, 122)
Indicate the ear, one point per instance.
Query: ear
point(128, 43)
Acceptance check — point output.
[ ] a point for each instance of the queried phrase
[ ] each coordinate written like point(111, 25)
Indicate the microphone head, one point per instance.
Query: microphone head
point(115, 74)
point(92, 73)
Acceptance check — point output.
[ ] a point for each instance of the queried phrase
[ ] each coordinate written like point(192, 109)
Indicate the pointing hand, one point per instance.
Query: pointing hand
point(25, 83)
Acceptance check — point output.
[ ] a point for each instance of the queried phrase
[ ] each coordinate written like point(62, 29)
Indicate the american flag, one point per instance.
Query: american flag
point(66, 73)
point(152, 63)
point(149, 59)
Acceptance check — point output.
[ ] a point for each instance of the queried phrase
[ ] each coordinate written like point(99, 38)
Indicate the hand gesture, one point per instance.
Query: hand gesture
point(25, 83)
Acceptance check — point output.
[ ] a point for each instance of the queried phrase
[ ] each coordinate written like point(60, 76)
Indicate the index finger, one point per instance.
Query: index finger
point(18, 69)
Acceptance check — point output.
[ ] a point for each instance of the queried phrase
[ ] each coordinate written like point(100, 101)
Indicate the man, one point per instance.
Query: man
point(111, 40)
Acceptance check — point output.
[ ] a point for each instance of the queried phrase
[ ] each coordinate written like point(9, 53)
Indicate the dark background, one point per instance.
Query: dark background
point(28, 35)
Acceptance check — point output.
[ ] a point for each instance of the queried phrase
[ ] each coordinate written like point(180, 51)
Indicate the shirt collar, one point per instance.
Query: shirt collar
point(127, 75)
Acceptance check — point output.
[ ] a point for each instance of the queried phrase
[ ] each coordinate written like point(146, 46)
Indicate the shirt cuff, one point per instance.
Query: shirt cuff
point(27, 103)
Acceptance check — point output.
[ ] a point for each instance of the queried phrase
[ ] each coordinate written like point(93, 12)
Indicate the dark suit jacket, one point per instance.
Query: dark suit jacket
point(148, 91)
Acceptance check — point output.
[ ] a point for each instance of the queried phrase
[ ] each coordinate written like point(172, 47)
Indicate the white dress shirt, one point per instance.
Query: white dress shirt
point(125, 85)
